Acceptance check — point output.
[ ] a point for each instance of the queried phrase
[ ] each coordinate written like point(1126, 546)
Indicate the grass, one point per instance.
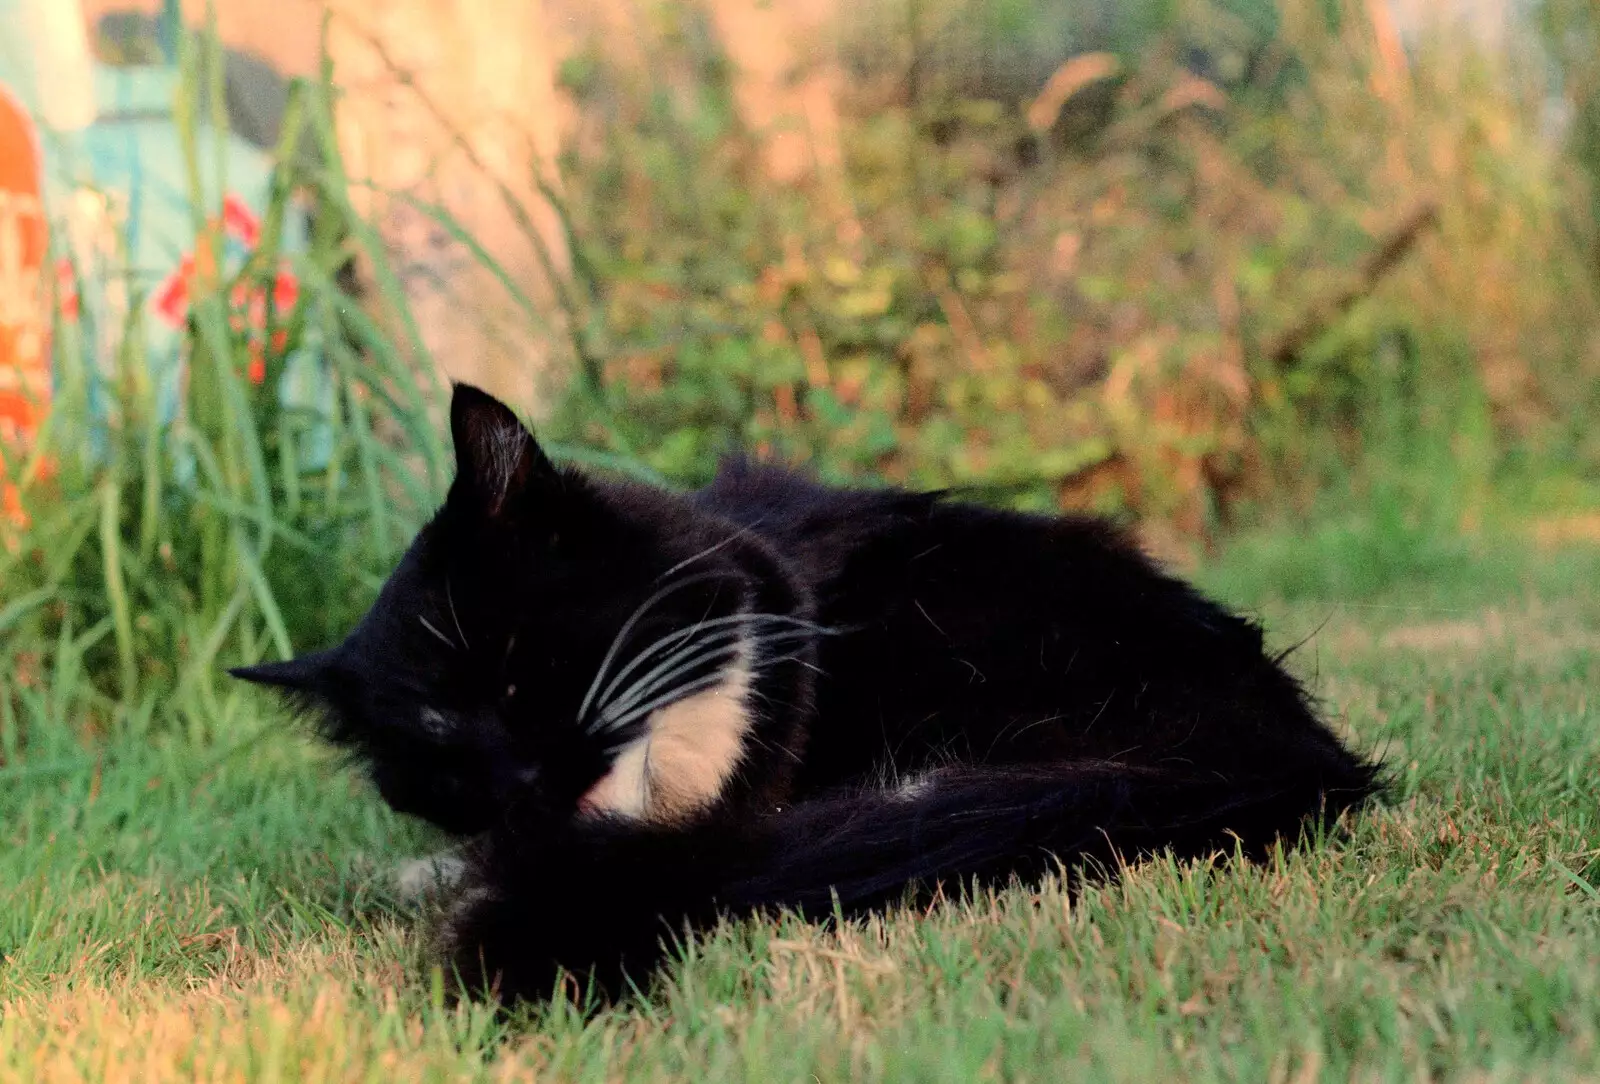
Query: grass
point(190, 888)
point(173, 911)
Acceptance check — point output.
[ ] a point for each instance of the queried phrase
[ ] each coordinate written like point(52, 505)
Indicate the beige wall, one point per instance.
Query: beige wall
point(485, 69)
point(484, 115)
point(453, 102)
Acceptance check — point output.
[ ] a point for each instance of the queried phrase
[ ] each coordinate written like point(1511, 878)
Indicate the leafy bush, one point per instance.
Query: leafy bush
point(1203, 299)
point(1240, 258)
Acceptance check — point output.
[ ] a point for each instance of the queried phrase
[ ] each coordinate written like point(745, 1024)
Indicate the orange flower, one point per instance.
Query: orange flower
point(171, 299)
point(204, 262)
point(11, 505)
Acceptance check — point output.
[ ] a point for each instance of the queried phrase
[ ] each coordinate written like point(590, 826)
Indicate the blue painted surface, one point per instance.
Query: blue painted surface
point(133, 154)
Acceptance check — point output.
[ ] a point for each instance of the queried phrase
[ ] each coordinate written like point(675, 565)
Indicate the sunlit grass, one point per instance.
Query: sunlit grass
point(176, 911)
point(189, 887)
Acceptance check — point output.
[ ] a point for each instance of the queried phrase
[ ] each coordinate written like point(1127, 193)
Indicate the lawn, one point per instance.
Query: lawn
point(176, 910)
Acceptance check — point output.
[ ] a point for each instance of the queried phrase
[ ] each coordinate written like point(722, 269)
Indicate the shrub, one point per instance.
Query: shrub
point(1196, 297)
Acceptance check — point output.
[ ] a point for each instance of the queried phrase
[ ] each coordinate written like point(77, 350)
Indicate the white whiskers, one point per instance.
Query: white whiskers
point(709, 550)
point(451, 644)
point(620, 639)
point(666, 681)
point(451, 599)
point(672, 666)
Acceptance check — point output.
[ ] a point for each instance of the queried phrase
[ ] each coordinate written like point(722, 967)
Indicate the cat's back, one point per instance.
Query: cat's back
point(889, 558)
point(917, 540)
point(805, 518)
point(980, 632)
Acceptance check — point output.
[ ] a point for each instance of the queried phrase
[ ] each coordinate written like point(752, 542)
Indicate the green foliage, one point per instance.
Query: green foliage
point(1005, 50)
point(1208, 300)
point(719, 328)
point(1570, 29)
point(160, 549)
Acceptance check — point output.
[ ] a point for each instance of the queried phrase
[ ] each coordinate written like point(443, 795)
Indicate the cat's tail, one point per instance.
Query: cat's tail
point(990, 823)
point(597, 899)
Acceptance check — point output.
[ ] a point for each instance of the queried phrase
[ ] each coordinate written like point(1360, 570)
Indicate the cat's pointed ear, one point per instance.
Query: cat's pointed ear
point(496, 457)
point(308, 675)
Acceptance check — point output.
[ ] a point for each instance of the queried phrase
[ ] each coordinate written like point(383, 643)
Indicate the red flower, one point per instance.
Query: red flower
point(285, 291)
point(240, 222)
point(280, 340)
point(70, 303)
point(257, 370)
point(238, 302)
point(171, 299)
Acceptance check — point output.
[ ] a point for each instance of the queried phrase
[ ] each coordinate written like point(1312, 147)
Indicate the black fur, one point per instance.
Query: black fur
point(1049, 693)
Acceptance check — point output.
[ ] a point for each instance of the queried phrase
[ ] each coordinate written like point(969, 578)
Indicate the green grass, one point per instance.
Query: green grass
point(190, 888)
point(170, 910)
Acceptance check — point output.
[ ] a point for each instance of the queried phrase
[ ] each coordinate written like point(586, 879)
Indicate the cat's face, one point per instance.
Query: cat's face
point(532, 632)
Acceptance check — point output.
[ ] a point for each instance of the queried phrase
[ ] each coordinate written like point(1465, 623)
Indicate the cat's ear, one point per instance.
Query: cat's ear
point(309, 675)
point(497, 458)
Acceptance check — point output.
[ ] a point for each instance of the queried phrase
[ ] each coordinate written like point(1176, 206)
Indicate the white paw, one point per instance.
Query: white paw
point(425, 876)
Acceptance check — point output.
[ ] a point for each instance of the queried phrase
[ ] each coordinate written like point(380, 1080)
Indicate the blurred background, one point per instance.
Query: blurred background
point(1325, 269)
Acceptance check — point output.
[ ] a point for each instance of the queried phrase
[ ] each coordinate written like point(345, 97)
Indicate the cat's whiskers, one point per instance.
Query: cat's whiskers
point(684, 691)
point(690, 659)
point(620, 639)
point(739, 628)
point(684, 661)
point(731, 626)
point(709, 550)
point(449, 597)
point(451, 644)
point(674, 639)
point(666, 675)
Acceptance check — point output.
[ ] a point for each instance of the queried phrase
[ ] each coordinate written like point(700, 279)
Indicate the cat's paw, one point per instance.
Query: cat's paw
point(431, 876)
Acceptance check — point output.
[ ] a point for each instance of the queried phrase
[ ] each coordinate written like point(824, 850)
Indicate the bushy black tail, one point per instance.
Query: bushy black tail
point(597, 899)
point(990, 824)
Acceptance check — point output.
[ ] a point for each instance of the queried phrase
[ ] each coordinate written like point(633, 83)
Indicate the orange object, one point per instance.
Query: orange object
point(24, 245)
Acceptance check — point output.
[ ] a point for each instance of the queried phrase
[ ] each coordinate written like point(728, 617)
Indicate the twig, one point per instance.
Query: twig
point(1395, 248)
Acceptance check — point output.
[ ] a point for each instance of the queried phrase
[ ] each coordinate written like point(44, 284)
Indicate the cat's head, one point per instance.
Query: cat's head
point(535, 629)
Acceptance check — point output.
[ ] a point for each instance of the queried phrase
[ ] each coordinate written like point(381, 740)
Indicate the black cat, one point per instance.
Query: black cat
point(651, 708)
